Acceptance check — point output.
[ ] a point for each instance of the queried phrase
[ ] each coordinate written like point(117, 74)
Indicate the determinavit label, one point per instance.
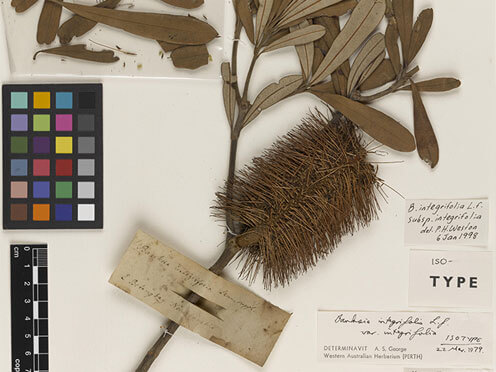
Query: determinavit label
point(455, 222)
point(406, 338)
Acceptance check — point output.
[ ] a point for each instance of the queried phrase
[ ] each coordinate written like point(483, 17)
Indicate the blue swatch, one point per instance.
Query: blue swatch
point(18, 167)
point(63, 100)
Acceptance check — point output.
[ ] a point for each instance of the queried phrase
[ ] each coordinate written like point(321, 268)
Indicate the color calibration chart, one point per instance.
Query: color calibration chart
point(29, 307)
point(52, 156)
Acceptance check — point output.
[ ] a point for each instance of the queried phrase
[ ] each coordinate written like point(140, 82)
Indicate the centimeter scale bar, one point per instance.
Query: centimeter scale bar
point(29, 307)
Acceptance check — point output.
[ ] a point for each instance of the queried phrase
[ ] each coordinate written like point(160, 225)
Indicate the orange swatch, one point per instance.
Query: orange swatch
point(41, 212)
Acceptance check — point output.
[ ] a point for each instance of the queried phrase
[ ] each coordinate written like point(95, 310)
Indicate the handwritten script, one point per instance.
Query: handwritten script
point(456, 222)
point(227, 314)
point(407, 338)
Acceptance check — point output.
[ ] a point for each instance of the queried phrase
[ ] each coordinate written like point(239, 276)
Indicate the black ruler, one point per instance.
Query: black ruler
point(29, 307)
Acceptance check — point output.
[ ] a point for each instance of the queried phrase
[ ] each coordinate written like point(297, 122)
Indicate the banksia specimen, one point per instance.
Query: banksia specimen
point(302, 196)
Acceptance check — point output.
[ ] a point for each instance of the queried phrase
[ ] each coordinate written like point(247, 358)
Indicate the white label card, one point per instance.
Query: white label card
point(451, 279)
point(455, 222)
point(405, 338)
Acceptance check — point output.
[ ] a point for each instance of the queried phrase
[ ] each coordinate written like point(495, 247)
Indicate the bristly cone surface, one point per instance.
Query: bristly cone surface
point(312, 187)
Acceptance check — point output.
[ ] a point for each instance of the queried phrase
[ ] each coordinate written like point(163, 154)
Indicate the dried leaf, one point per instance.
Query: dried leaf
point(375, 123)
point(79, 51)
point(323, 88)
point(436, 85)
point(22, 5)
point(228, 92)
point(372, 67)
point(243, 10)
point(403, 12)
point(277, 36)
point(427, 146)
point(299, 9)
point(318, 57)
point(382, 75)
point(168, 47)
point(190, 56)
point(340, 81)
point(336, 10)
point(77, 26)
point(305, 53)
point(298, 37)
point(187, 4)
point(272, 94)
point(48, 23)
point(372, 49)
point(157, 26)
point(419, 33)
point(393, 49)
point(332, 26)
point(263, 15)
point(364, 19)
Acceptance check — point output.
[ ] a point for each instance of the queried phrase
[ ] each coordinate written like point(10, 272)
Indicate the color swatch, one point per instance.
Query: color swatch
point(52, 156)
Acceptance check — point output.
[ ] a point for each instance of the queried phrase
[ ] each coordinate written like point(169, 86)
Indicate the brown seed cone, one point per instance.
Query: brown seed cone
point(312, 187)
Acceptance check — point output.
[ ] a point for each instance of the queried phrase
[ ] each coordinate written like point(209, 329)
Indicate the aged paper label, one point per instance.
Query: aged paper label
point(406, 338)
point(455, 222)
point(230, 315)
point(451, 279)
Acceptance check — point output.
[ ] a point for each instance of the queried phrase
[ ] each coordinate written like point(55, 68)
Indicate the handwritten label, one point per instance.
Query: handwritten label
point(451, 279)
point(227, 315)
point(407, 338)
point(455, 222)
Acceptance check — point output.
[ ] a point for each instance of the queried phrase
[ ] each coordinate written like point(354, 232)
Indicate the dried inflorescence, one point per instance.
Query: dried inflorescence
point(302, 196)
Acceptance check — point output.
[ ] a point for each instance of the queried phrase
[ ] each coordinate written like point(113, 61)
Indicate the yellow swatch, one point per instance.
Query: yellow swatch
point(63, 145)
point(41, 100)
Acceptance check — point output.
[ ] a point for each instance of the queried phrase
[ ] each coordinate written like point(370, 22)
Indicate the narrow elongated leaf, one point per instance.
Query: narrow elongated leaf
point(298, 37)
point(332, 26)
point(272, 94)
point(340, 81)
point(392, 45)
point(419, 34)
point(187, 4)
point(305, 52)
point(245, 15)
point(427, 146)
point(364, 19)
point(336, 10)
point(79, 51)
point(318, 57)
point(190, 57)
point(77, 26)
point(375, 123)
point(383, 74)
point(372, 49)
point(372, 67)
point(22, 5)
point(436, 85)
point(157, 26)
point(403, 12)
point(228, 93)
point(299, 9)
point(48, 23)
point(263, 15)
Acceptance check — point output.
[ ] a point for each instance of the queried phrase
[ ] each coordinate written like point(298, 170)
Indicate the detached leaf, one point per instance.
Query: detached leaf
point(403, 11)
point(382, 75)
point(228, 92)
point(22, 5)
point(245, 15)
point(157, 26)
point(79, 51)
point(305, 53)
point(168, 47)
point(372, 49)
point(263, 15)
point(299, 9)
point(48, 23)
point(436, 85)
point(375, 123)
point(419, 34)
point(427, 146)
point(298, 37)
point(77, 26)
point(272, 94)
point(392, 45)
point(187, 4)
point(190, 57)
point(364, 19)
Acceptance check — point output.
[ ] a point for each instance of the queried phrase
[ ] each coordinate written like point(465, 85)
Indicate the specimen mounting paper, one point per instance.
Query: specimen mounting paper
point(455, 222)
point(231, 316)
point(407, 338)
point(451, 278)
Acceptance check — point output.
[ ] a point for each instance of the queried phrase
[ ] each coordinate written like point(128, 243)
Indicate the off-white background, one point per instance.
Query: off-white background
point(166, 144)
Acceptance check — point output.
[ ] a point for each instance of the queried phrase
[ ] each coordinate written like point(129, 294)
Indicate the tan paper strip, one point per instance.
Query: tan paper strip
point(231, 316)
